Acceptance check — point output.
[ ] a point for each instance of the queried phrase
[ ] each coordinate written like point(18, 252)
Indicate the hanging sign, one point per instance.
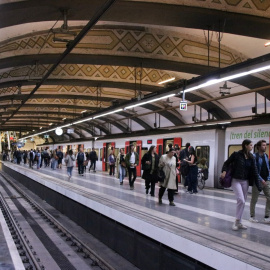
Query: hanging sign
point(183, 106)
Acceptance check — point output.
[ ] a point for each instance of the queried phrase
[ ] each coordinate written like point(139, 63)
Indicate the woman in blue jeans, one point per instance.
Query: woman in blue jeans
point(193, 171)
point(70, 158)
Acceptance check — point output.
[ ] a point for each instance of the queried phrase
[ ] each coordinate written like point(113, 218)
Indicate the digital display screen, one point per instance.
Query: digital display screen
point(149, 141)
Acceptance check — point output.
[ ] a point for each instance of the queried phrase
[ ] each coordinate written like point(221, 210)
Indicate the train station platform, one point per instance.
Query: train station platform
point(195, 234)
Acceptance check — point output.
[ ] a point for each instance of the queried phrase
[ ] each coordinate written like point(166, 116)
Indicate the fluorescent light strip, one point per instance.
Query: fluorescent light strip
point(119, 110)
point(168, 80)
point(228, 78)
point(83, 120)
point(267, 44)
point(84, 111)
point(149, 101)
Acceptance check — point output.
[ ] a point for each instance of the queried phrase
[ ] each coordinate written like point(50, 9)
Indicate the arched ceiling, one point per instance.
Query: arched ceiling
point(135, 45)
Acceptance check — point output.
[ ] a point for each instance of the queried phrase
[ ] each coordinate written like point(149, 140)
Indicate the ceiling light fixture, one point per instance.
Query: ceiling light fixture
point(149, 101)
point(115, 111)
point(50, 124)
point(84, 111)
point(267, 44)
point(64, 118)
point(168, 80)
point(227, 78)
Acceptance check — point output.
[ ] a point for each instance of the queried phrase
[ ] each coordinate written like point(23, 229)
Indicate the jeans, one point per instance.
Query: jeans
point(240, 189)
point(192, 179)
point(80, 167)
point(93, 162)
point(170, 193)
point(132, 171)
point(122, 172)
point(150, 181)
point(255, 196)
point(112, 168)
point(69, 171)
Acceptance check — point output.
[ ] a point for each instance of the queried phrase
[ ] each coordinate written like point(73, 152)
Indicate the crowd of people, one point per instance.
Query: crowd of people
point(247, 170)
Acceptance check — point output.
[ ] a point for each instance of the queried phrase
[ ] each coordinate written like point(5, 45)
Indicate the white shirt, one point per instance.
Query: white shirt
point(132, 159)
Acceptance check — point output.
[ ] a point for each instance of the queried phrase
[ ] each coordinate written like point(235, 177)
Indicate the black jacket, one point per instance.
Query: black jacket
point(237, 159)
point(147, 169)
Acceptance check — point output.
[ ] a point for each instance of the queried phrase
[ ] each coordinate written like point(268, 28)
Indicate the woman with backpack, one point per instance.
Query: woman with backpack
point(69, 160)
point(244, 174)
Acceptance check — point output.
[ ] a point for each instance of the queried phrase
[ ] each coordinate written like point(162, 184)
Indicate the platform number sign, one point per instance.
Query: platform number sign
point(183, 106)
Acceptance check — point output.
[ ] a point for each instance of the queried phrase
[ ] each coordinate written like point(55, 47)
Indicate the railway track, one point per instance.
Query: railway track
point(42, 241)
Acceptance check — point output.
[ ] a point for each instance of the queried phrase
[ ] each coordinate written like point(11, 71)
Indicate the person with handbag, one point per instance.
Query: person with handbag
point(121, 165)
point(168, 164)
point(244, 174)
point(150, 163)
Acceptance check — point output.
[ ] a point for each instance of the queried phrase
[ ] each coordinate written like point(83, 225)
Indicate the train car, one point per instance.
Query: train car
point(214, 145)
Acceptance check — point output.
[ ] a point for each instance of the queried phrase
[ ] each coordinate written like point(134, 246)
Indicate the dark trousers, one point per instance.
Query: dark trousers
point(31, 163)
point(93, 163)
point(80, 167)
point(46, 162)
point(18, 160)
point(170, 193)
point(176, 181)
point(112, 168)
point(150, 182)
point(24, 160)
point(132, 171)
point(192, 179)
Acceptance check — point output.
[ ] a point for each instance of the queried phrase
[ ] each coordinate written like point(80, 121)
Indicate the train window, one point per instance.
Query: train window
point(234, 148)
point(203, 152)
point(101, 154)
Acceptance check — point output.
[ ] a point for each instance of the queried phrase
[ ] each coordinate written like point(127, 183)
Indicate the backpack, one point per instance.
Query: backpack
point(80, 157)
point(184, 168)
point(31, 155)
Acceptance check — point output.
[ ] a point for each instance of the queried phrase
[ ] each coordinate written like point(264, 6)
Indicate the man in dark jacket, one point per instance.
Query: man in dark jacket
point(183, 155)
point(262, 163)
point(93, 159)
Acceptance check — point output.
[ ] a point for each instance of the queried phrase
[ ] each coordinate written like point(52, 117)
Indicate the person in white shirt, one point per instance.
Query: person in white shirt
point(132, 160)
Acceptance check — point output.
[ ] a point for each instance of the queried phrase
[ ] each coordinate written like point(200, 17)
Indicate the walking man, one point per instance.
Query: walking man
point(93, 159)
point(80, 160)
point(132, 160)
point(262, 163)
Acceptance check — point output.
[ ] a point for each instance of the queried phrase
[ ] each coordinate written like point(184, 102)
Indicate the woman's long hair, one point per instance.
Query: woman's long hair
point(244, 149)
point(70, 152)
point(151, 149)
point(191, 151)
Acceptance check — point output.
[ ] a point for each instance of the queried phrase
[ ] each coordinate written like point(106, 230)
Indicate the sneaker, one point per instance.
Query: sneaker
point(241, 226)
point(266, 220)
point(235, 226)
point(153, 195)
point(82, 174)
point(94, 171)
point(172, 204)
point(132, 188)
point(252, 219)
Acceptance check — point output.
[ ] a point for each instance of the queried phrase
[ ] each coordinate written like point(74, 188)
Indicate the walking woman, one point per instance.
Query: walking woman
point(168, 163)
point(150, 162)
point(69, 160)
point(244, 174)
point(121, 165)
point(193, 171)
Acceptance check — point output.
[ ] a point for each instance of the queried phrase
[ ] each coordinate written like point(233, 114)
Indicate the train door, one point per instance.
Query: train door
point(138, 149)
point(107, 149)
point(163, 144)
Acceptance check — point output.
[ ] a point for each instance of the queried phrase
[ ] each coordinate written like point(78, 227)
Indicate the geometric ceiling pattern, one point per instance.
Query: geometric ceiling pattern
point(122, 59)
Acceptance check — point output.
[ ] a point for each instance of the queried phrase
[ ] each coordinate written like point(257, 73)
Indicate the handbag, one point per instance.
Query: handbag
point(123, 164)
point(160, 176)
point(226, 182)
